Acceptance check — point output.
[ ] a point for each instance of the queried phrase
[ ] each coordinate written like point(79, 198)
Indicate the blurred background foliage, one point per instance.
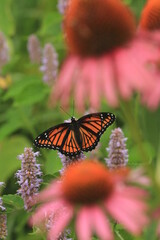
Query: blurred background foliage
point(25, 109)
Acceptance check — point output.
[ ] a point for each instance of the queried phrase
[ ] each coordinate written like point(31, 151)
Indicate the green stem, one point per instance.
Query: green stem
point(119, 235)
point(136, 133)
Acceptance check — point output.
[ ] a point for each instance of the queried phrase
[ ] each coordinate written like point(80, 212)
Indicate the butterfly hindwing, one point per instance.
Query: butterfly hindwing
point(71, 147)
point(92, 127)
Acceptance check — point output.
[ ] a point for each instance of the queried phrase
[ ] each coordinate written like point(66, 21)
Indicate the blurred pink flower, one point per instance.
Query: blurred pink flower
point(74, 197)
point(108, 59)
point(150, 20)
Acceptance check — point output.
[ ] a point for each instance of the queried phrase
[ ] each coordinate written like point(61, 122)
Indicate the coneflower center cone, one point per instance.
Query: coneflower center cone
point(86, 183)
point(150, 19)
point(93, 27)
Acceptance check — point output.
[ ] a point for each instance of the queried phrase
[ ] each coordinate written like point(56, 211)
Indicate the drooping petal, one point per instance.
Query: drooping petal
point(51, 192)
point(83, 224)
point(62, 220)
point(64, 81)
point(128, 211)
point(108, 85)
point(44, 211)
point(92, 77)
point(100, 223)
point(80, 91)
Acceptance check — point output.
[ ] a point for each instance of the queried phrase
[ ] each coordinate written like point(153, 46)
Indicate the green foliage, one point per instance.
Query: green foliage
point(25, 112)
point(9, 149)
point(6, 18)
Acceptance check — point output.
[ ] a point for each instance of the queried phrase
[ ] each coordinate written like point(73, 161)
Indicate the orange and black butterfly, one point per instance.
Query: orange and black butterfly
point(72, 138)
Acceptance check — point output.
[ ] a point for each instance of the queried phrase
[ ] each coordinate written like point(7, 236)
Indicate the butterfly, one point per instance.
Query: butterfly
point(72, 138)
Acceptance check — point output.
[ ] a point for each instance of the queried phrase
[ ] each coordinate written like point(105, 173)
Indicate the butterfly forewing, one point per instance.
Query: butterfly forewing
point(53, 137)
point(92, 127)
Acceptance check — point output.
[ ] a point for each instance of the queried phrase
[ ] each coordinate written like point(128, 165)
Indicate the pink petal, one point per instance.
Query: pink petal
point(123, 72)
point(44, 211)
point(61, 222)
point(134, 192)
point(100, 224)
point(128, 211)
point(51, 192)
point(63, 86)
point(108, 80)
point(80, 91)
point(83, 224)
point(93, 82)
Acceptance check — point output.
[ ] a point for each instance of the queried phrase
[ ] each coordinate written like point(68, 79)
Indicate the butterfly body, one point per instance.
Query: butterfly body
point(72, 138)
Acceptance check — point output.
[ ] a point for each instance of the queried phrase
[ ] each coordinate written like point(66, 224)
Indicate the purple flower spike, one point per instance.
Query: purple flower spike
point(49, 64)
point(3, 218)
point(29, 177)
point(117, 152)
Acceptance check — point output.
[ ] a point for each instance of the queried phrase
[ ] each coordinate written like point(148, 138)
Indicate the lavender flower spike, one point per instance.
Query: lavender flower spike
point(66, 161)
point(3, 218)
point(62, 5)
point(4, 51)
point(34, 49)
point(49, 64)
point(117, 152)
point(29, 177)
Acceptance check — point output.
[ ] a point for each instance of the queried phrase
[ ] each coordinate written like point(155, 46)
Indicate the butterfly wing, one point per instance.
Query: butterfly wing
point(92, 126)
point(61, 138)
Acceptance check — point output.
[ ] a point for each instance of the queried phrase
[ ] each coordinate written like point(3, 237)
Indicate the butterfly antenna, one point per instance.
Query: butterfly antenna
point(65, 112)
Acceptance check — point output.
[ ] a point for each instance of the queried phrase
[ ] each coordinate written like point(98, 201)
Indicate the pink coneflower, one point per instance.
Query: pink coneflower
point(89, 193)
point(150, 20)
point(107, 57)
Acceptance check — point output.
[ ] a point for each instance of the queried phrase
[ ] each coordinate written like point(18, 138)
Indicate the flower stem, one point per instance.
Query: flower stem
point(135, 130)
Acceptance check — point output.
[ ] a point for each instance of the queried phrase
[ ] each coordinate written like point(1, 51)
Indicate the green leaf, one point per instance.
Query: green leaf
point(51, 24)
point(135, 157)
point(27, 91)
point(13, 201)
point(50, 177)
point(53, 162)
point(6, 19)
point(9, 149)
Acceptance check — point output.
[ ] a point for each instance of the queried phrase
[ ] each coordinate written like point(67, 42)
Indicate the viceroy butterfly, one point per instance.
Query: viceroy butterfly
point(72, 138)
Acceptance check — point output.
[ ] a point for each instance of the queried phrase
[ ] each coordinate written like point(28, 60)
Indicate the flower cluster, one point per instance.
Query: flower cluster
point(34, 49)
point(4, 52)
point(29, 177)
point(3, 218)
point(67, 161)
point(117, 151)
point(62, 5)
point(49, 64)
